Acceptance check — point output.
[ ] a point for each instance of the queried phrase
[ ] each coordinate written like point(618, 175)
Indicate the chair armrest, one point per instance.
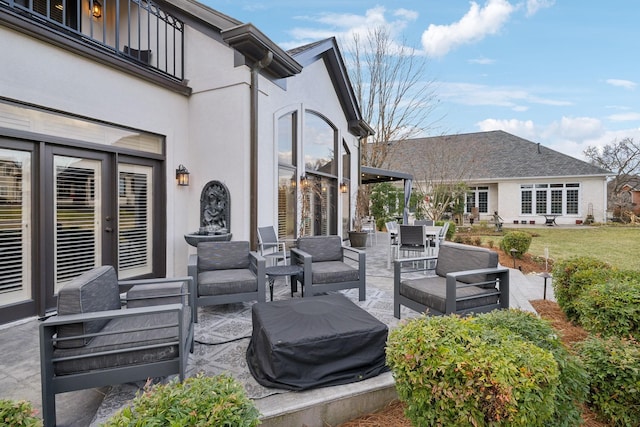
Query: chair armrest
point(300, 257)
point(502, 277)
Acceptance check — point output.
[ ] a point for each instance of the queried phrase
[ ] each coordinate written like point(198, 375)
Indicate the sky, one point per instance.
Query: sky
point(564, 73)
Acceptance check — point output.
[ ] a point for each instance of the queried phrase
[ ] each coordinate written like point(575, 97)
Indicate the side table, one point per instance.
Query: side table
point(283, 270)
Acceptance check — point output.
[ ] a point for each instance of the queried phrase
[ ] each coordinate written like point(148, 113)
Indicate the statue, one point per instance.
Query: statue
point(214, 209)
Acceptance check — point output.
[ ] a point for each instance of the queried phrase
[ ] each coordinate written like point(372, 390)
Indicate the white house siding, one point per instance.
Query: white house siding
point(46, 76)
point(592, 192)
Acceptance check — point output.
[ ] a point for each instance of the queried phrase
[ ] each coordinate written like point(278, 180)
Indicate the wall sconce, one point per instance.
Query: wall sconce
point(182, 175)
point(344, 187)
point(304, 182)
point(96, 8)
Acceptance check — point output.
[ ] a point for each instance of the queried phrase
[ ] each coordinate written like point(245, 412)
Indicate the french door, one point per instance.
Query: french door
point(64, 211)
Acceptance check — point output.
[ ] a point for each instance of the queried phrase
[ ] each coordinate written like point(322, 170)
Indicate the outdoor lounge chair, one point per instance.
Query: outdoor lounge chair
point(270, 247)
point(97, 340)
point(468, 280)
point(227, 272)
point(322, 259)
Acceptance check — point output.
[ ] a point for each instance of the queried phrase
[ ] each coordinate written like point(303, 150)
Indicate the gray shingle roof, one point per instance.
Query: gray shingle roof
point(501, 156)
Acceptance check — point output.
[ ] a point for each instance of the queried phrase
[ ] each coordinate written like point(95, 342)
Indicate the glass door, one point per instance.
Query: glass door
point(78, 203)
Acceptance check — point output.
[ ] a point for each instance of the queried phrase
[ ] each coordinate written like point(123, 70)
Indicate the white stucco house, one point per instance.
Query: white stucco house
point(101, 103)
point(523, 181)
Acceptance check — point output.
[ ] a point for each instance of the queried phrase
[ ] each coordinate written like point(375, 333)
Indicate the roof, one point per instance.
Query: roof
point(375, 175)
point(328, 50)
point(495, 155)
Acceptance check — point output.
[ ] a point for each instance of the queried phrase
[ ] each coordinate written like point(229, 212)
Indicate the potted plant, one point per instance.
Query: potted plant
point(357, 237)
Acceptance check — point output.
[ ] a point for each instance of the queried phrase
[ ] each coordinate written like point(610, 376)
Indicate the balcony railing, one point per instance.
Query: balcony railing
point(136, 30)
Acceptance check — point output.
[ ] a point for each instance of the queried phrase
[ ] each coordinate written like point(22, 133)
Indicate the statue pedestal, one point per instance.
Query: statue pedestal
point(194, 238)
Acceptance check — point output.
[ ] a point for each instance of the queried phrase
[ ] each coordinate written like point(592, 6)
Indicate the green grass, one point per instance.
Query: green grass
point(617, 245)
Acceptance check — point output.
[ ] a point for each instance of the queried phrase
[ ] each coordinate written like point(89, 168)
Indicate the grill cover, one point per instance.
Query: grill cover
point(320, 341)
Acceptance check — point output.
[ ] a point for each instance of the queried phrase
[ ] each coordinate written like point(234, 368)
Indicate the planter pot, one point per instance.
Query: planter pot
point(515, 221)
point(532, 222)
point(358, 239)
point(578, 221)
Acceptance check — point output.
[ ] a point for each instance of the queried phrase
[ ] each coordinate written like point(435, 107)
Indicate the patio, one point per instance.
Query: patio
point(19, 369)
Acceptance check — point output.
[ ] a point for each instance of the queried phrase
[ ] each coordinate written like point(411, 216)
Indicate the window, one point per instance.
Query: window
point(287, 176)
point(556, 199)
point(319, 153)
point(478, 197)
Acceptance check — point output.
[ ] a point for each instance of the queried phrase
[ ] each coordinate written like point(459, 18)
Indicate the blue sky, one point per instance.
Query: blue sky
point(562, 73)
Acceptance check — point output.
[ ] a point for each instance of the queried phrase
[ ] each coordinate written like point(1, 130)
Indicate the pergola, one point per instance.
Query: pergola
point(369, 175)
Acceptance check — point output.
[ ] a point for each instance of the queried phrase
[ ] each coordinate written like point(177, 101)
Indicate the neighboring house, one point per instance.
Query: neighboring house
point(627, 198)
point(522, 180)
point(101, 102)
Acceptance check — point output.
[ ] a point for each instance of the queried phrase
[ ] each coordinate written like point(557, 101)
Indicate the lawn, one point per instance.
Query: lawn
point(617, 245)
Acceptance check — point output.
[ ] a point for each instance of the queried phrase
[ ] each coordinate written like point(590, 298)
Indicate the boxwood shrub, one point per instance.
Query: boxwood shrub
point(573, 381)
point(518, 240)
point(458, 372)
point(197, 401)
point(613, 365)
point(572, 276)
point(18, 413)
point(612, 307)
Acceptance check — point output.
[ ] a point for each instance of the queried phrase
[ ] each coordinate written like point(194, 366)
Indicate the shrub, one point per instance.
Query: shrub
point(518, 240)
point(572, 276)
point(614, 373)
point(612, 307)
point(18, 413)
point(198, 401)
point(454, 371)
point(573, 381)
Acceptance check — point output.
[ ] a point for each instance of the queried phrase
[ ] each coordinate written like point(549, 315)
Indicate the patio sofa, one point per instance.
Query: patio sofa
point(467, 280)
point(98, 339)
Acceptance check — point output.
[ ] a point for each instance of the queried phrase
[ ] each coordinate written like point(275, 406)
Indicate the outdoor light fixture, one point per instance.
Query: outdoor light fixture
point(96, 11)
point(344, 187)
point(514, 251)
point(304, 181)
point(182, 175)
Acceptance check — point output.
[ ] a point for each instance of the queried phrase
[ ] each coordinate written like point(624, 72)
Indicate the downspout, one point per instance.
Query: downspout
point(253, 151)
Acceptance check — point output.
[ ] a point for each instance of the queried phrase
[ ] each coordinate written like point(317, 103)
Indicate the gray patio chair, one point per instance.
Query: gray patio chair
point(468, 280)
point(427, 222)
point(226, 272)
point(96, 339)
point(324, 268)
point(270, 247)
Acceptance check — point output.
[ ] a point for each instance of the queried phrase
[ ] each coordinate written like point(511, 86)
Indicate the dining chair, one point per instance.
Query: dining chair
point(270, 247)
point(369, 225)
point(392, 232)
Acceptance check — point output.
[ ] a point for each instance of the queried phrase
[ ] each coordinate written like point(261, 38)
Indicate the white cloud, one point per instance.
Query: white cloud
point(345, 25)
point(501, 96)
point(481, 61)
point(477, 23)
point(533, 6)
point(522, 128)
point(627, 84)
point(624, 117)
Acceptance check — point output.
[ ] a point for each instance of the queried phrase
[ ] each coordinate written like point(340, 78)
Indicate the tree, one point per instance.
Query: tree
point(395, 97)
point(623, 159)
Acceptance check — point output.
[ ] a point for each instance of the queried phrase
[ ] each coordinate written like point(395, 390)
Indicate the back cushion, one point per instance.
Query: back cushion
point(322, 248)
point(223, 255)
point(94, 290)
point(454, 257)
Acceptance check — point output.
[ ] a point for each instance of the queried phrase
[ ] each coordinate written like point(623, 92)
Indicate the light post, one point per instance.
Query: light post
point(513, 251)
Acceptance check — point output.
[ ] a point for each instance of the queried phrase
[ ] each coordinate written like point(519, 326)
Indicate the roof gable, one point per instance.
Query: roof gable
point(497, 155)
point(328, 51)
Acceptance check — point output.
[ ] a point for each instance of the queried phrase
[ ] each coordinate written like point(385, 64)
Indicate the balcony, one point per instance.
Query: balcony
point(136, 31)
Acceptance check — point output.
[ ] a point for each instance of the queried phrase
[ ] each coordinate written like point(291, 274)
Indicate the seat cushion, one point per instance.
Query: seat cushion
point(332, 272)
point(92, 291)
point(223, 282)
point(142, 346)
point(454, 257)
point(157, 293)
point(223, 255)
point(322, 248)
point(432, 292)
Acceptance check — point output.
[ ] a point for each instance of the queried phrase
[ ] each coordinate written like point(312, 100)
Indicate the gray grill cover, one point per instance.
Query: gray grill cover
point(320, 341)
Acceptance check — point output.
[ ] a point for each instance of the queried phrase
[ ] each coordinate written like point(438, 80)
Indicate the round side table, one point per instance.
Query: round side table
point(280, 271)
